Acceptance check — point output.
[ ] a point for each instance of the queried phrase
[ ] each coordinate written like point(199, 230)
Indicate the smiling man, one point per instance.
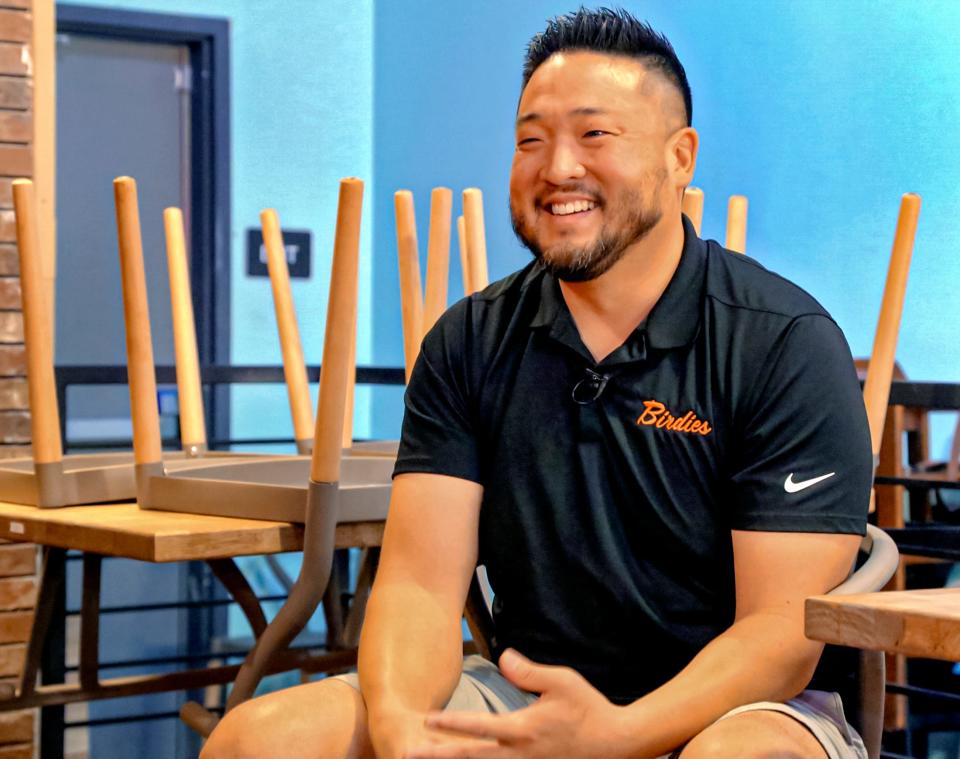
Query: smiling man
point(657, 448)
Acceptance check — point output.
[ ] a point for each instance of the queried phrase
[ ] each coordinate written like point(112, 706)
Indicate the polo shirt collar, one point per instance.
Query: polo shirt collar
point(673, 321)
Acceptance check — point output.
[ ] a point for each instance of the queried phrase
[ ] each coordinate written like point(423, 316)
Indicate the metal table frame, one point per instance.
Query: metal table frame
point(157, 537)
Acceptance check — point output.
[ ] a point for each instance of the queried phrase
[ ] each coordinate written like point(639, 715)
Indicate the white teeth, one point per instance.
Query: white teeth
point(562, 209)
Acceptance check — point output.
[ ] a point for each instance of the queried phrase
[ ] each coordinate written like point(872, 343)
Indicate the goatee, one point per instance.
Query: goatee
point(572, 263)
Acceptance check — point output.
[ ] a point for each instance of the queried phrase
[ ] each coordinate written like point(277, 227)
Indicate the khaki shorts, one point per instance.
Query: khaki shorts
point(483, 688)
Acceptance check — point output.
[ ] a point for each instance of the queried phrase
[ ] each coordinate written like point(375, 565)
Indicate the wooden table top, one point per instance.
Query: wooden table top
point(922, 623)
point(123, 529)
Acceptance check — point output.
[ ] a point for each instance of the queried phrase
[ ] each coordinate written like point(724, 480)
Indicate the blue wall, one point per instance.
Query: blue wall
point(822, 113)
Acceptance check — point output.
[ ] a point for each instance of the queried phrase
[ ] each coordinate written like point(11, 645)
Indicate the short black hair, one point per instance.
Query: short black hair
point(612, 31)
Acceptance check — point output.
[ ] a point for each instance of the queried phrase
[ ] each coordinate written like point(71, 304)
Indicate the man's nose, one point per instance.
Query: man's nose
point(563, 164)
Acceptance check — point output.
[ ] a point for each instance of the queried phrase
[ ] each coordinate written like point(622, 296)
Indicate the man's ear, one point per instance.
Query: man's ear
point(682, 155)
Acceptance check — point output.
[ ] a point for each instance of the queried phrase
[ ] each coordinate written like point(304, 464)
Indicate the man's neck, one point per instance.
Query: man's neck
point(607, 309)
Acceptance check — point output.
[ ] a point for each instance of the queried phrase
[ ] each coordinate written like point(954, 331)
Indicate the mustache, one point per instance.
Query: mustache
point(540, 199)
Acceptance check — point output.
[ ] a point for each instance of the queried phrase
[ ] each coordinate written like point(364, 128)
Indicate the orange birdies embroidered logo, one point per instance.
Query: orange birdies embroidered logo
point(655, 414)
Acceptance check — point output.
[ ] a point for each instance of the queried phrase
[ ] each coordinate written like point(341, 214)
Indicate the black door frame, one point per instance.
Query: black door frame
point(208, 40)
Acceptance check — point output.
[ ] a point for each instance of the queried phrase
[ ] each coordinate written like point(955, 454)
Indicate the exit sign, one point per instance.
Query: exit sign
point(295, 242)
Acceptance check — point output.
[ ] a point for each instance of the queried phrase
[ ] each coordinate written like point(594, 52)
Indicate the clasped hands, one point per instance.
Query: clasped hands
point(570, 719)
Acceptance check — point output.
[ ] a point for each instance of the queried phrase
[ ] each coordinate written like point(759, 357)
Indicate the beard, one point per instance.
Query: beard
point(582, 263)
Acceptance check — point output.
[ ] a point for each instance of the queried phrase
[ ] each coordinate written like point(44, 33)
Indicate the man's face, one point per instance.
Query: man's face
point(589, 173)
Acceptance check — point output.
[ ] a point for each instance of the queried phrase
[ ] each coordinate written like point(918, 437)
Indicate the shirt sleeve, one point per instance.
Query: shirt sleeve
point(438, 434)
point(804, 463)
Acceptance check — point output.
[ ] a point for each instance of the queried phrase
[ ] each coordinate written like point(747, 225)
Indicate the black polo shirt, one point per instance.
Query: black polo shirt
point(605, 526)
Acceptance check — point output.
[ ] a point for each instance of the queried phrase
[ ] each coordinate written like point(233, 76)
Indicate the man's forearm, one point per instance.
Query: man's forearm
point(411, 651)
point(760, 658)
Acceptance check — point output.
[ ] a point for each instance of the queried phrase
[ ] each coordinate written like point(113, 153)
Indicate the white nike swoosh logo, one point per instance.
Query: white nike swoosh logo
point(795, 487)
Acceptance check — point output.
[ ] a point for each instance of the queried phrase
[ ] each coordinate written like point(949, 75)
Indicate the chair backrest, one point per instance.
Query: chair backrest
point(882, 560)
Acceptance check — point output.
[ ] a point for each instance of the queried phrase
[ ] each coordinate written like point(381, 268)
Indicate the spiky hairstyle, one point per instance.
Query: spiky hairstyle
point(615, 32)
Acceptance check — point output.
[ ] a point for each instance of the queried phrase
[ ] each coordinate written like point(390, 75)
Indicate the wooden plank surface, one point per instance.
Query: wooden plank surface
point(125, 530)
point(922, 623)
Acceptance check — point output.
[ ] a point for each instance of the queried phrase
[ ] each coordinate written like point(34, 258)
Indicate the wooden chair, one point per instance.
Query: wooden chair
point(319, 491)
point(417, 314)
point(266, 487)
point(880, 561)
point(49, 478)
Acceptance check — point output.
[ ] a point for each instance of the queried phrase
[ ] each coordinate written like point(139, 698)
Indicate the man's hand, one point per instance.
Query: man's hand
point(571, 719)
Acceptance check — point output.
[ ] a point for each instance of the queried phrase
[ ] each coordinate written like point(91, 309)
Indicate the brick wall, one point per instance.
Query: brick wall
point(16, 160)
point(17, 562)
point(18, 589)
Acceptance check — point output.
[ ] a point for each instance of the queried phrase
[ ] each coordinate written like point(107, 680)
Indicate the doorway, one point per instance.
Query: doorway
point(123, 108)
point(145, 95)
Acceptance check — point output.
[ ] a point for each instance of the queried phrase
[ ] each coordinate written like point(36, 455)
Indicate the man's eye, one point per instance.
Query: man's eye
point(528, 141)
point(596, 133)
